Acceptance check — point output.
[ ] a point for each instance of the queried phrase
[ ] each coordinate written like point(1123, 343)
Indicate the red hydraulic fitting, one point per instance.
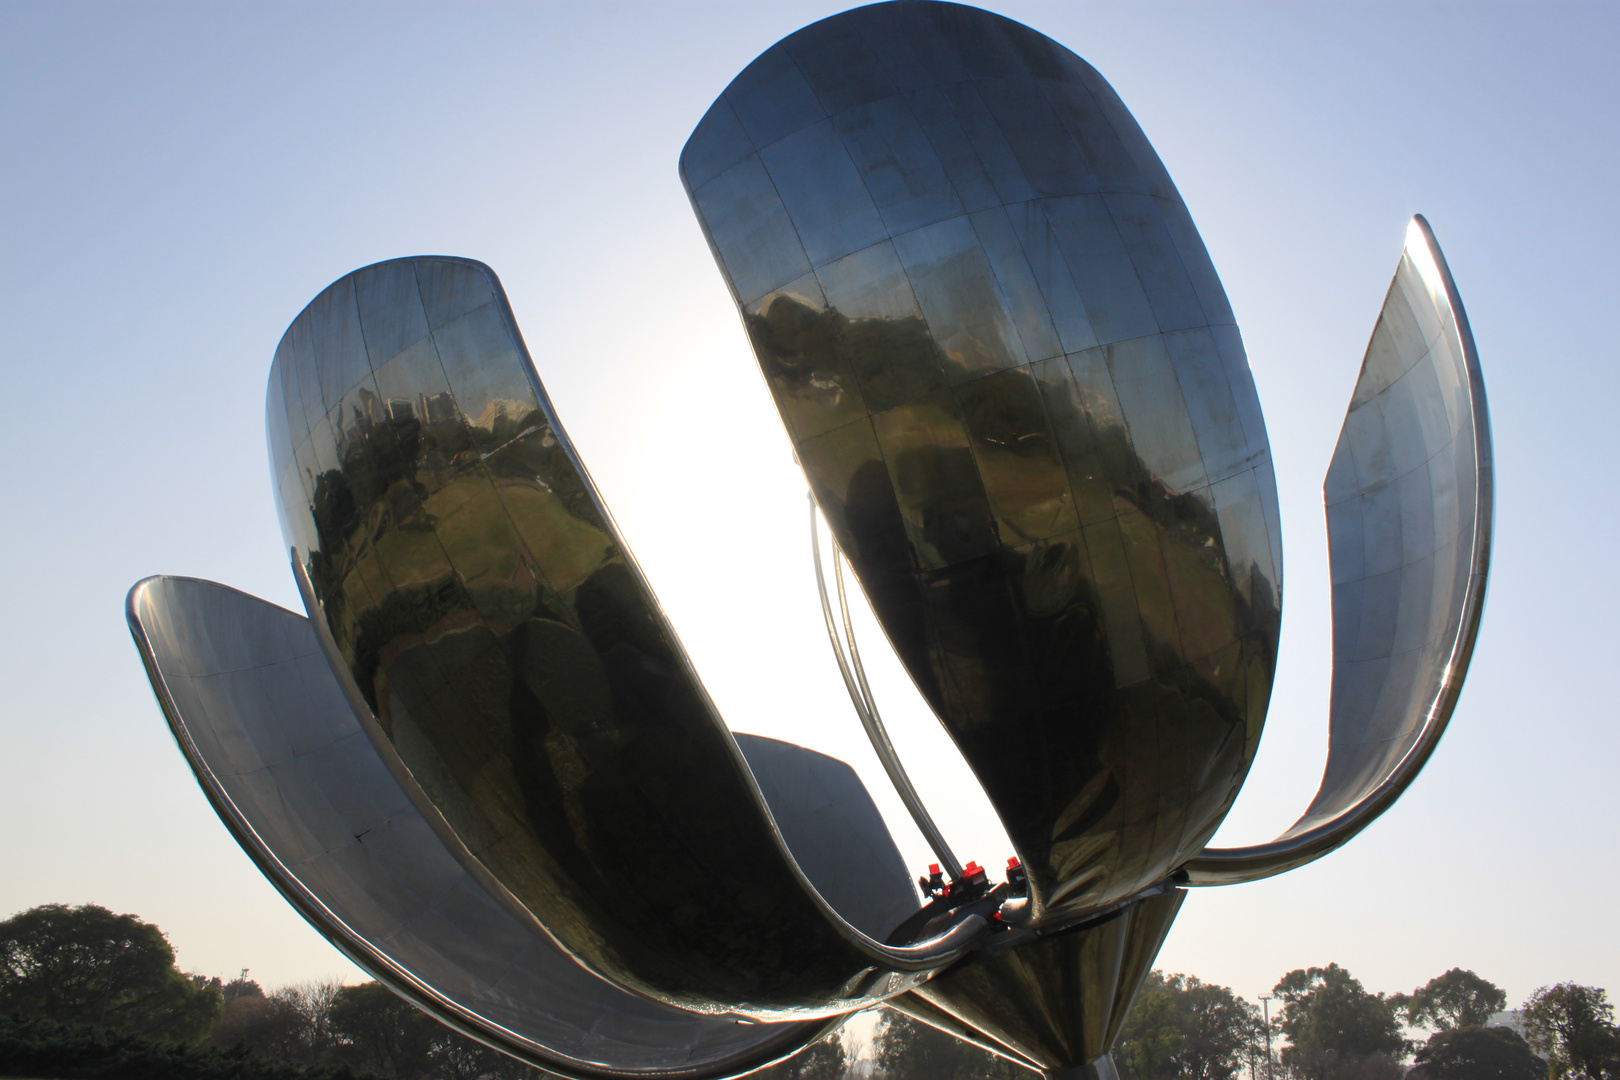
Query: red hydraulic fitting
point(1017, 877)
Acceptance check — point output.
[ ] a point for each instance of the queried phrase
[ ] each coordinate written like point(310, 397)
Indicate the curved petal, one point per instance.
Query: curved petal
point(835, 832)
point(1409, 506)
point(1020, 399)
point(280, 755)
point(512, 667)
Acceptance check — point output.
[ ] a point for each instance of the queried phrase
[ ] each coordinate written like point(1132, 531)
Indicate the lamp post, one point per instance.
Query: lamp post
point(1265, 1004)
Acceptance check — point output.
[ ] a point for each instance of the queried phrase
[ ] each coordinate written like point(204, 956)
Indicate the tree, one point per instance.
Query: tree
point(377, 1031)
point(86, 965)
point(821, 1060)
point(268, 1025)
point(311, 1003)
point(1182, 1029)
point(1337, 1030)
point(47, 1048)
point(241, 986)
point(1457, 999)
point(910, 1050)
point(1477, 1053)
point(1572, 1026)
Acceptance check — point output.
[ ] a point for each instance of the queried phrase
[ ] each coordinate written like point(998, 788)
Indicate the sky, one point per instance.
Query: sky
point(177, 182)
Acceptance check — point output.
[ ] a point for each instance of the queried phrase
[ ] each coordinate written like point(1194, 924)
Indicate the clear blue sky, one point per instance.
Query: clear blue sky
point(177, 182)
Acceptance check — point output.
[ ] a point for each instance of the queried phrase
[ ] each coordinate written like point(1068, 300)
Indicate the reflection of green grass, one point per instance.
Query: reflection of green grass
point(566, 548)
point(484, 541)
point(1192, 601)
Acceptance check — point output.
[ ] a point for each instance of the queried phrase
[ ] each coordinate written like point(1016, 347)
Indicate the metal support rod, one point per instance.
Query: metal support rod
point(860, 694)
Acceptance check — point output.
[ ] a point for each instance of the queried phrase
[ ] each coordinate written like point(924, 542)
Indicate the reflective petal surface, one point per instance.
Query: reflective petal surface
point(1018, 394)
point(1056, 1002)
point(1409, 507)
point(280, 754)
point(510, 662)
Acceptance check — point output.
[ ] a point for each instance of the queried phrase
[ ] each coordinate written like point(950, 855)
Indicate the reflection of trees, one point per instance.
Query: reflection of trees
point(816, 358)
point(526, 678)
point(1011, 635)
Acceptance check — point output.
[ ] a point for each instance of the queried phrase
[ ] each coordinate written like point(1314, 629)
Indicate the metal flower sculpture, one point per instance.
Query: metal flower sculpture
point(483, 765)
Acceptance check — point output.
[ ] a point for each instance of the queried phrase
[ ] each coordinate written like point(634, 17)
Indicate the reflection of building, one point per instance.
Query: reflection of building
point(485, 767)
point(502, 409)
point(430, 408)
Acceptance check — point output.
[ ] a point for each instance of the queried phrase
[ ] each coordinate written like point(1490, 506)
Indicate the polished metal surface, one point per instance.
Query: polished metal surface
point(860, 695)
point(511, 665)
point(484, 766)
point(1057, 1000)
point(265, 727)
point(835, 833)
point(1409, 507)
point(1016, 388)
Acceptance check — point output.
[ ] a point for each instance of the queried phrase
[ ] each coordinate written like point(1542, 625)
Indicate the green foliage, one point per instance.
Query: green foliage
point(1477, 1053)
point(264, 1025)
point(292, 1024)
point(821, 1060)
point(910, 1050)
point(1457, 999)
point(373, 1029)
point(86, 965)
point(1337, 1030)
point(1572, 1026)
point(1180, 1028)
point(46, 1049)
point(382, 1032)
point(241, 986)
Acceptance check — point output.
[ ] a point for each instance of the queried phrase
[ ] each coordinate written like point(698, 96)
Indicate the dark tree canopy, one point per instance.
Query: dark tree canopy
point(1182, 1029)
point(373, 1030)
point(1457, 999)
point(271, 1026)
point(910, 1050)
point(242, 986)
point(1335, 1028)
point(382, 1032)
point(1477, 1053)
point(823, 1060)
point(85, 965)
point(1572, 1026)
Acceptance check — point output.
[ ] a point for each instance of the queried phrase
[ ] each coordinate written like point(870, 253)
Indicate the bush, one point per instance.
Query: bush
point(49, 1049)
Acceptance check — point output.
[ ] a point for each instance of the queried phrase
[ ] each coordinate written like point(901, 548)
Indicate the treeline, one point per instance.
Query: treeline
point(85, 993)
point(89, 995)
point(1324, 1025)
point(1328, 1026)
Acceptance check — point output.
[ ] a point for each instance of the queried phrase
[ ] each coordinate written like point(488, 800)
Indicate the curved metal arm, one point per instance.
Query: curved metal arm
point(1409, 506)
point(860, 694)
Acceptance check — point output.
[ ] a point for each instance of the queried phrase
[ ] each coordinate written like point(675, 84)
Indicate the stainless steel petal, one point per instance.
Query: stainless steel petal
point(510, 663)
point(281, 756)
point(1057, 1000)
point(1014, 384)
point(1409, 506)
